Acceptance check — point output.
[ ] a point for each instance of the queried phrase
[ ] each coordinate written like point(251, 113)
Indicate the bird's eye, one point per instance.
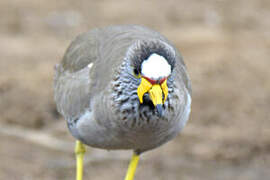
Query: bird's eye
point(136, 73)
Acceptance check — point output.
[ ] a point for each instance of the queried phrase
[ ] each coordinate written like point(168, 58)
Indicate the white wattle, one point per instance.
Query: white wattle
point(156, 67)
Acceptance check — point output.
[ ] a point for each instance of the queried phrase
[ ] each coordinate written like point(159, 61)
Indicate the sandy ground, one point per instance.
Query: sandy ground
point(226, 48)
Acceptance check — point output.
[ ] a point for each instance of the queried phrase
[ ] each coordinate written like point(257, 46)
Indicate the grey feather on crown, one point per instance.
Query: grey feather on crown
point(141, 50)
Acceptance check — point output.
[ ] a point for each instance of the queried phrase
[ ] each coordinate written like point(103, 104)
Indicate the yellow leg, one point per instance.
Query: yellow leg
point(132, 166)
point(79, 151)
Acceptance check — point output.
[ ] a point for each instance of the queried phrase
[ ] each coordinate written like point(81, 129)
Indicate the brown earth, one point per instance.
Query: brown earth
point(225, 45)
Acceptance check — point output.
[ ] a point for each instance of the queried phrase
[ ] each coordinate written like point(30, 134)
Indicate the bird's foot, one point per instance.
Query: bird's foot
point(132, 166)
point(79, 151)
point(79, 148)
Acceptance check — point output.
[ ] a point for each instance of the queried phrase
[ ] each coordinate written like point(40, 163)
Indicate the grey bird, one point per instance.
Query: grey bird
point(123, 87)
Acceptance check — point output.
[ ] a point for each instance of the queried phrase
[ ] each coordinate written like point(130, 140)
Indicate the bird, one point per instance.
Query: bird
point(122, 87)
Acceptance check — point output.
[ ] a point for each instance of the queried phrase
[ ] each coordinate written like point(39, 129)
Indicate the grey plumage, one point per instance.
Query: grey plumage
point(96, 90)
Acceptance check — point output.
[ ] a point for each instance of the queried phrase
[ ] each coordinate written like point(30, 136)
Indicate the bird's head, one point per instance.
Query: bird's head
point(154, 73)
point(153, 63)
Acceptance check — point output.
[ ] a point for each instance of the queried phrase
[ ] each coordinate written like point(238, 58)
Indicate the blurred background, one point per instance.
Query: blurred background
point(225, 44)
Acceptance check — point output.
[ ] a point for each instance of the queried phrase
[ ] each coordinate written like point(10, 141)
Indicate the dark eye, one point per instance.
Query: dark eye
point(136, 73)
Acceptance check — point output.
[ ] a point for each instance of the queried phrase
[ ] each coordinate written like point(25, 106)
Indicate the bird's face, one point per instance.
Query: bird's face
point(154, 73)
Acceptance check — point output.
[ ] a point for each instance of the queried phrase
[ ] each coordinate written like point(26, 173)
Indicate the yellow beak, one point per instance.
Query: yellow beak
point(155, 91)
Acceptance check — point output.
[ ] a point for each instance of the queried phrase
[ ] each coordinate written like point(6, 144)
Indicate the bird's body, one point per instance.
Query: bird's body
point(96, 89)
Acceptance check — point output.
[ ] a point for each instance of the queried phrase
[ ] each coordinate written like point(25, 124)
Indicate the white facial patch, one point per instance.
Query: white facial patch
point(156, 67)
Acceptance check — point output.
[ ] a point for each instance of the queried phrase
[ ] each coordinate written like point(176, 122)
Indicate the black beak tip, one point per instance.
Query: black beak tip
point(160, 110)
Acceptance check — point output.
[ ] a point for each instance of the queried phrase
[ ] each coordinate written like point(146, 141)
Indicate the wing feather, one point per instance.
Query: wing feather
point(72, 76)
